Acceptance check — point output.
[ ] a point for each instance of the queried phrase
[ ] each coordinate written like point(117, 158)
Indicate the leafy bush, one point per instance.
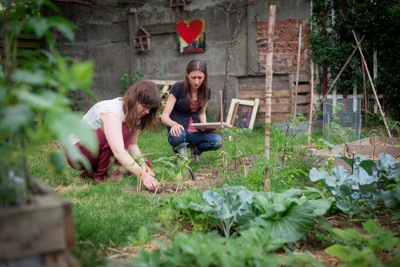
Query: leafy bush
point(34, 89)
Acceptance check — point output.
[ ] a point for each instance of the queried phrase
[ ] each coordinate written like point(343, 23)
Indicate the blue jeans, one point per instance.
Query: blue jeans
point(201, 141)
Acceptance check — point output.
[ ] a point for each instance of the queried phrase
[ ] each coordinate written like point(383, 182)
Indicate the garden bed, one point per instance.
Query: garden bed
point(369, 147)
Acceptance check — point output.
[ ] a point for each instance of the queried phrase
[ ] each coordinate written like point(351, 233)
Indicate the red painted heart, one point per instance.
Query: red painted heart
point(189, 32)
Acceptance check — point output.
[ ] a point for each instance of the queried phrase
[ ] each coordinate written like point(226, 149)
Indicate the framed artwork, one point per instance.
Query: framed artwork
point(191, 36)
point(242, 113)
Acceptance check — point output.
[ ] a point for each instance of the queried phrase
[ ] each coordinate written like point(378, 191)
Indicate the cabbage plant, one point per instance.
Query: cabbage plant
point(365, 185)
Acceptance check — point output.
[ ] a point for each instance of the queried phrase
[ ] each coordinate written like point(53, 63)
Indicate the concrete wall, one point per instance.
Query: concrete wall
point(106, 31)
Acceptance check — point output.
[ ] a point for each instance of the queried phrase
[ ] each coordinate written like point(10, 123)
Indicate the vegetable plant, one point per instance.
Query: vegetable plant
point(176, 168)
point(365, 186)
point(200, 249)
point(366, 249)
point(286, 216)
point(228, 205)
point(290, 214)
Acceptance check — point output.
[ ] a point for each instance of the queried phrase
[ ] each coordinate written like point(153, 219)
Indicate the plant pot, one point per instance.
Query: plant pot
point(39, 233)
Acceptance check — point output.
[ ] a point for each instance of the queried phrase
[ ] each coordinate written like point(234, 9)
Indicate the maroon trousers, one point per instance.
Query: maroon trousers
point(104, 161)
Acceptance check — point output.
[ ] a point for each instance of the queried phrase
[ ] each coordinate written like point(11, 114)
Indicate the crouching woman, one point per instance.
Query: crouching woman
point(118, 123)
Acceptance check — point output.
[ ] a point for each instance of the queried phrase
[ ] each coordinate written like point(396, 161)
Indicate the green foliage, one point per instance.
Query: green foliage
point(127, 81)
point(225, 206)
point(332, 42)
point(238, 148)
point(333, 131)
point(115, 216)
point(289, 163)
point(358, 249)
point(252, 248)
point(142, 237)
point(34, 88)
point(228, 205)
point(288, 215)
point(366, 186)
point(190, 205)
point(174, 168)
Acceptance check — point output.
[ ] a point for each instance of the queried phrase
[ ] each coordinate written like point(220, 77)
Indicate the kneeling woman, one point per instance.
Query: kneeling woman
point(117, 123)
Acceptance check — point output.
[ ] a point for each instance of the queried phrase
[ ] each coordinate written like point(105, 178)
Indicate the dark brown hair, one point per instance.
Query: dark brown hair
point(197, 64)
point(147, 94)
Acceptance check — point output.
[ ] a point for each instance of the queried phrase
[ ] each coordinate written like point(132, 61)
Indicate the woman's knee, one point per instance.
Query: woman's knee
point(217, 140)
point(176, 140)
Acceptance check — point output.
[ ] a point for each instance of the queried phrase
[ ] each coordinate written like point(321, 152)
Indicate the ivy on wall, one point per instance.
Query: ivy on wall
point(332, 42)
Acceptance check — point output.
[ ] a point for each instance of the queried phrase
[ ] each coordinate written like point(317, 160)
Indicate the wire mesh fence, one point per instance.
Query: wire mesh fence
point(342, 118)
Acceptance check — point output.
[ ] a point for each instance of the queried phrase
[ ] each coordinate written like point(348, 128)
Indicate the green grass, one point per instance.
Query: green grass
point(106, 215)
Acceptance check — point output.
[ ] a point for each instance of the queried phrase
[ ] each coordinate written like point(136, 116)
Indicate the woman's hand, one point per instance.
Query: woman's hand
point(176, 129)
point(149, 181)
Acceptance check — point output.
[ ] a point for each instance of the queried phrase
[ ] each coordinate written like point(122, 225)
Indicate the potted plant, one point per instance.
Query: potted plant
point(35, 223)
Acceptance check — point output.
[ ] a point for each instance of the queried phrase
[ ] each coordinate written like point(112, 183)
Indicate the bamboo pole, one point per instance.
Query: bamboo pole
point(297, 70)
point(371, 82)
point(268, 88)
point(268, 77)
point(311, 101)
point(222, 129)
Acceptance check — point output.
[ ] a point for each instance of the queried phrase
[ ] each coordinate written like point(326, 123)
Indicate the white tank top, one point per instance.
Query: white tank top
point(93, 116)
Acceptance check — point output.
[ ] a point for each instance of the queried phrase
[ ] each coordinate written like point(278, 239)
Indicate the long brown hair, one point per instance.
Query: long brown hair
point(147, 94)
point(197, 64)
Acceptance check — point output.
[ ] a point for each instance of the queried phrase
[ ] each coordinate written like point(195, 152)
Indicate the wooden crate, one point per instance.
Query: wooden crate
point(39, 232)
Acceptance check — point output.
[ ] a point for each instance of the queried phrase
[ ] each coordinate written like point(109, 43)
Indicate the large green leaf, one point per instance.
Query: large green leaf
point(63, 25)
point(286, 215)
point(43, 100)
point(316, 175)
point(347, 235)
point(15, 117)
point(342, 252)
point(37, 77)
point(82, 74)
point(65, 124)
point(39, 25)
point(362, 177)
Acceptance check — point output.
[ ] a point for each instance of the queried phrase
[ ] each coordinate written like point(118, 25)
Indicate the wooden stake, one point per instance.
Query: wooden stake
point(268, 77)
point(223, 131)
point(311, 102)
point(371, 82)
point(268, 87)
point(297, 71)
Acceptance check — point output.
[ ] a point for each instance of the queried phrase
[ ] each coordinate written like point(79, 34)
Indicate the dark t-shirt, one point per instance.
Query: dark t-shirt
point(182, 112)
